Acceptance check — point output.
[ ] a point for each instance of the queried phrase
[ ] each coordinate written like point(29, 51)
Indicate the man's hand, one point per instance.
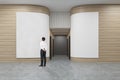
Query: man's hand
point(44, 50)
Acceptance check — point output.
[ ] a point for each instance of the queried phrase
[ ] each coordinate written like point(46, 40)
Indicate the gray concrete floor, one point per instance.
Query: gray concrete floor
point(60, 68)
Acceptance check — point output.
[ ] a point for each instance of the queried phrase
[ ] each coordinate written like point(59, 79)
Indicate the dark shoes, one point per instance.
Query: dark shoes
point(42, 65)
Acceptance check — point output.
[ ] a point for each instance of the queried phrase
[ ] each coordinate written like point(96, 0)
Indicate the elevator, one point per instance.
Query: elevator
point(60, 42)
point(60, 45)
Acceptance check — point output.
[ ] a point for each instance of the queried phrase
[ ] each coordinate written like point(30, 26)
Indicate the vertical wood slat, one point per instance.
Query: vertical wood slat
point(60, 20)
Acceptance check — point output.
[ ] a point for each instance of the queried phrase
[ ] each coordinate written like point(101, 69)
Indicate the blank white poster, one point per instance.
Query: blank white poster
point(30, 28)
point(84, 35)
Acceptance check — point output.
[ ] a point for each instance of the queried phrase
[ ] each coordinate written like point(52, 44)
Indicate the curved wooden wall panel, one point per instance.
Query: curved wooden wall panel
point(109, 30)
point(8, 29)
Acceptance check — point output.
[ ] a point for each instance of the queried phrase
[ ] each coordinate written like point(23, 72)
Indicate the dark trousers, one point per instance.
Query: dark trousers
point(43, 57)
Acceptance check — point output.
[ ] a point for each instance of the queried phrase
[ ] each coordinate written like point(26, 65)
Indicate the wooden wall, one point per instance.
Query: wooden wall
point(109, 31)
point(8, 30)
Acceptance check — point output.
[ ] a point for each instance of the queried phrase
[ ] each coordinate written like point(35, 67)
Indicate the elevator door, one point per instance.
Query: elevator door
point(60, 45)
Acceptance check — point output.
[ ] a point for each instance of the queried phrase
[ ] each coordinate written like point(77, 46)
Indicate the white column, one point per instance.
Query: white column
point(30, 28)
point(84, 35)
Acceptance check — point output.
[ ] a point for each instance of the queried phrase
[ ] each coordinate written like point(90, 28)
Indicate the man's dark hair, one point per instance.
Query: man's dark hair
point(43, 38)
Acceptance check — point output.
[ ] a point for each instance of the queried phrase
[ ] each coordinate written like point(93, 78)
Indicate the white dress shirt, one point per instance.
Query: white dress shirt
point(43, 45)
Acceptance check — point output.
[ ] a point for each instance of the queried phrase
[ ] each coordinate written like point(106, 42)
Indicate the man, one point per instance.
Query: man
point(43, 49)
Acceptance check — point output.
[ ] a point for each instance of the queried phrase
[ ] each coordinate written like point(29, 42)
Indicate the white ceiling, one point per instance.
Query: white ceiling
point(59, 5)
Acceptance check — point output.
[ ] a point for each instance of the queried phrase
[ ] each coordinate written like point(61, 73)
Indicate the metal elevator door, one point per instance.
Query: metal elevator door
point(60, 45)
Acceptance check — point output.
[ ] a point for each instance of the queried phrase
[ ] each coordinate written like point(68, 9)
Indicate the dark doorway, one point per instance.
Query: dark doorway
point(50, 49)
point(60, 45)
point(69, 47)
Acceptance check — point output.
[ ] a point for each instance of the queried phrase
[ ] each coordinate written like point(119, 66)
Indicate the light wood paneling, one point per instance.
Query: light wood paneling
point(8, 30)
point(109, 31)
point(60, 31)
